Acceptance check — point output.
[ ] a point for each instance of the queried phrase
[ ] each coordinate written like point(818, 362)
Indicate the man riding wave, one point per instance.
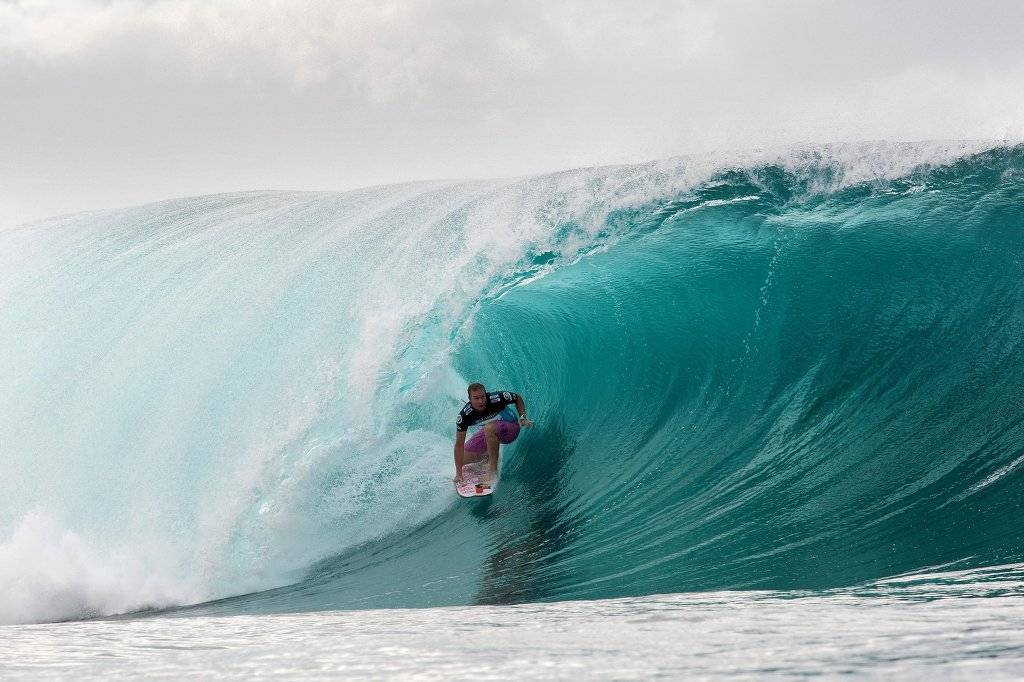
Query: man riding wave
point(488, 409)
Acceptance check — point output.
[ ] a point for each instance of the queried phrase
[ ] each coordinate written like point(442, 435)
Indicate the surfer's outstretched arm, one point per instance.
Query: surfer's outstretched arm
point(460, 453)
point(521, 408)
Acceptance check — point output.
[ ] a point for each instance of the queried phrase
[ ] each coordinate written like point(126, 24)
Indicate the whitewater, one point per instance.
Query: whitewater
point(776, 393)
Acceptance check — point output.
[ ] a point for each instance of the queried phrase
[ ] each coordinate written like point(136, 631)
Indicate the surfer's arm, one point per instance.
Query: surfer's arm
point(521, 408)
point(460, 453)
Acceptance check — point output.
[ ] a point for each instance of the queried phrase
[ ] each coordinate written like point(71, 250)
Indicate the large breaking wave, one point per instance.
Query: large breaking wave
point(795, 369)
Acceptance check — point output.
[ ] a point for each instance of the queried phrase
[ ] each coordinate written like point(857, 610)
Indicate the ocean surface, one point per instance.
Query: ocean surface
point(964, 625)
point(779, 406)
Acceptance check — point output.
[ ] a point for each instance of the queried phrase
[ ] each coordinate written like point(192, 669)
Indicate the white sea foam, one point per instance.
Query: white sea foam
point(50, 573)
point(963, 630)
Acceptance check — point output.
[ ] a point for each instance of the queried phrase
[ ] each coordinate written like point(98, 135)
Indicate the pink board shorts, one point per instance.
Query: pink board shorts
point(507, 432)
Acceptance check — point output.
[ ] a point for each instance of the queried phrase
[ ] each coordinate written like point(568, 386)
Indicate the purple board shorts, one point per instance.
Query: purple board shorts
point(507, 432)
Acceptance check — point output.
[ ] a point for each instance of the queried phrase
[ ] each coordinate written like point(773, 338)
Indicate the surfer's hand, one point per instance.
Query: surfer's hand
point(523, 421)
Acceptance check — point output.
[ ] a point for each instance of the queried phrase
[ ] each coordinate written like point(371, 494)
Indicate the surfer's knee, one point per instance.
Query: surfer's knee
point(490, 431)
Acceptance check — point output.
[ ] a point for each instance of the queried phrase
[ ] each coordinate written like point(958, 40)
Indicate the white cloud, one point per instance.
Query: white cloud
point(114, 102)
point(389, 50)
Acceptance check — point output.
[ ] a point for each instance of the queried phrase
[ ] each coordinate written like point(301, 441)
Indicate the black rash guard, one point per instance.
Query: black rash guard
point(496, 402)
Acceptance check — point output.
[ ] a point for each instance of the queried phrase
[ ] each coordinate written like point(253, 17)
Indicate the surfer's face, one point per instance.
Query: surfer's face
point(478, 399)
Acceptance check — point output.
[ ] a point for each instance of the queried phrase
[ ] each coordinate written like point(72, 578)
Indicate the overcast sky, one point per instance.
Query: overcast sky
point(105, 103)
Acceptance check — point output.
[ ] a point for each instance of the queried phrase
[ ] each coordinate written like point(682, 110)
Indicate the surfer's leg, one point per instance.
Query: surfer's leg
point(476, 447)
point(498, 433)
point(491, 434)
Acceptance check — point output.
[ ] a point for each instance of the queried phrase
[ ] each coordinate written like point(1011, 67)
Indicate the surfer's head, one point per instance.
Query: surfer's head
point(477, 397)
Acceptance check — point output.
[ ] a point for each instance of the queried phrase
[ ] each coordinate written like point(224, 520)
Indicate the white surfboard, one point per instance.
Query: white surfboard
point(472, 484)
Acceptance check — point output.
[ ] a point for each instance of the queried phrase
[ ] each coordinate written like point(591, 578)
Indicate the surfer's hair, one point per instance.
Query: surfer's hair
point(475, 387)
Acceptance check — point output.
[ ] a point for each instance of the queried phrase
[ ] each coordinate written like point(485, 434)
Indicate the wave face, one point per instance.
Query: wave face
point(786, 370)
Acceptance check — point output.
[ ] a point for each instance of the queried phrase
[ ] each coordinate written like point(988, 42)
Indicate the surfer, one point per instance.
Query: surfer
point(486, 408)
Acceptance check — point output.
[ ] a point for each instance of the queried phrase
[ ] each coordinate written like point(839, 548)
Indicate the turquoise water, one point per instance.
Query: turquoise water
point(785, 371)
